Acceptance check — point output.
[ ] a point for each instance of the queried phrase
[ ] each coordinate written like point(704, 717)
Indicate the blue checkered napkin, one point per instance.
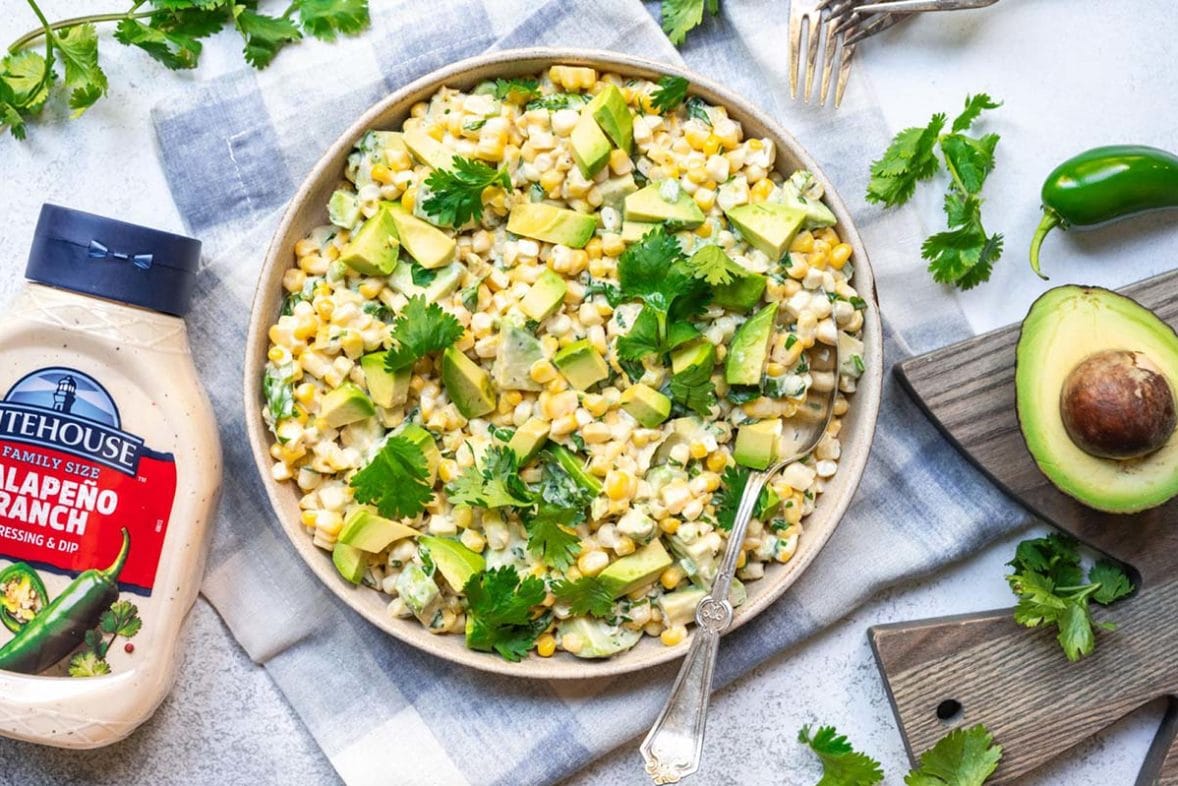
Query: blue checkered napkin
point(384, 713)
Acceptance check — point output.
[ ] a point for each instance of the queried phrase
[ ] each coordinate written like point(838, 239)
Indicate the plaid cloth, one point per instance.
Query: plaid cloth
point(234, 150)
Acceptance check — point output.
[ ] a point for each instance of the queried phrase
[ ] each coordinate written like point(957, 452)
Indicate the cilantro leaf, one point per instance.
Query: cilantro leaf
point(910, 158)
point(499, 608)
point(1114, 583)
point(27, 75)
point(325, 19)
point(173, 50)
point(560, 489)
point(419, 330)
point(517, 91)
point(680, 17)
point(86, 663)
point(726, 498)
point(671, 90)
point(496, 485)
point(264, 35)
point(974, 106)
point(456, 195)
point(78, 50)
point(842, 765)
point(964, 757)
point(693, 389)
point(963, 255)
point(654, 271)
point(121, 619)
point(550, 536)
point(586, 595)
point(278, 390)
point(969, 160)
point(643, 338)
point(396, 480)
point(714, 266)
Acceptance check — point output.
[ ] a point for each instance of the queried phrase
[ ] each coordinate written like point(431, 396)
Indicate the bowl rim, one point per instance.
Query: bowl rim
point(866, 400)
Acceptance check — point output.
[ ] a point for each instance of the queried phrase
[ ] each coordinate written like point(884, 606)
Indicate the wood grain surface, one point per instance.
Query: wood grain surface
point(1014, 680)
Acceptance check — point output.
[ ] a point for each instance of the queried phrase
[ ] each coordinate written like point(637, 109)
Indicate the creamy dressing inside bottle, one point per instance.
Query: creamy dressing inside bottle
point(109, 472)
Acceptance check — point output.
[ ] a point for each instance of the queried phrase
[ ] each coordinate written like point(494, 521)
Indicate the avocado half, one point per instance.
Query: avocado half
point(1064, 327)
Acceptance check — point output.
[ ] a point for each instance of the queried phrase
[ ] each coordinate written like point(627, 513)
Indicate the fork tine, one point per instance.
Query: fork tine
point(844, 72)
point(832, 41)
point(813, 33)
point(795, 47)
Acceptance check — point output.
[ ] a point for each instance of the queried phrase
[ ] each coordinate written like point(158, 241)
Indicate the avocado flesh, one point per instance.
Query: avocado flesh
point(468, 386)
point(386, 388)
point(367, 531)
point(373, 250)
point(528, 439)
point(647, 205)
point(756, 443)
point(425, 443)
point(445, 282)
point(611, 113)
point(767, 227)
point(426, 149)
point(349, 561)
point(634, 231)
point(590, 145)
point(1063, 327)
point(430, 246)
point(454, 561)
point(551, 224)
point(581, 364)
point(750, 348)
point(545, 296)
point(742, 293)
point(646, 405)
point(598, 638)
point(346, 404)
point(518, 350)
point(344, 209)
point(637, 570)
point(698, 354)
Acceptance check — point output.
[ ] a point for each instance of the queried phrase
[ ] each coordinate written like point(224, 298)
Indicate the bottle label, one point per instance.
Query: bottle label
point(71, 480)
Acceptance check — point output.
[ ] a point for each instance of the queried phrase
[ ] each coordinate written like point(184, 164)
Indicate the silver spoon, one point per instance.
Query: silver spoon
point(673, 746)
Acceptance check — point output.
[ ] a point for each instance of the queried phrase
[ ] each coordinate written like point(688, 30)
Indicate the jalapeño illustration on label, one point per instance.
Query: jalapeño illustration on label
point(79, 496)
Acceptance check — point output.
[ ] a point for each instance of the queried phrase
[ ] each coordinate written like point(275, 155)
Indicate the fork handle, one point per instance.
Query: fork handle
point(920, 6)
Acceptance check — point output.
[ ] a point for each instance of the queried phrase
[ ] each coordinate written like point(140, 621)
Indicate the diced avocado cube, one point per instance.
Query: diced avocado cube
point(590, 145)
point(637, 570)
point(430, 246)
point(425, 442)
point(615, 190)
point(684, 431)
point(545, 296)
point(528, 439)
point(444, 283)
point(418, 591)
point(598, 638)
point(386, 389)
point(518, 350)
point(344, 209)
point(576, 470)
point(454, 561)
point(793, 194)
point(850, 355)
point(768, 227)
point(551, 224)
point(367, 531)
point(634, 231)
point(750, 348)
point(695, 355)
point(611, 113)
point(649, 204)
point(742, 293)
point(679, 607)
point(646, 405)
point(426, 149)
point(374, 248)
point(756, 443)
point(468, 386)
point(581, 364)
point(769, 505)
point(389, 143)
point(346, 404)
point(349, 561)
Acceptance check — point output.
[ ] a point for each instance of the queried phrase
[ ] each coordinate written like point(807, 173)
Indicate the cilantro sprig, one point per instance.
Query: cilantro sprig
point(714, 266)
point(517, 91)
point(456, 195)
point(586, 595)
point(496, 484)
point(169, 31)
point(680, 17)
point(1048, 579)
point(396, 481)
point(842, 765)
point(499, 608)
point(964, 254)
point(669, 94)
point(963, 757)
point(726, 498)
point(420, 329)
point(120, 620)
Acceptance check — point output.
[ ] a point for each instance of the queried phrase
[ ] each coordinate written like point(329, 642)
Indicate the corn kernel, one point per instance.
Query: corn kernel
point(705, 198)
point(717, 461)
point(370, 289)
point(308, 518)
point(381, 174)
point(571, 641)
point(546, 645)
point(447, 470)
point(673, 635)
point(698, 450)
point(625, 546)
point(620, 485)
point(408, 199)
point(306, 247)
point(711, 145)
point(304, 393)
point(705, 229)
point(276, 354)
point(839, 255)
point(742, 559)
point(542, 371)
point(669, 525)
point(550, 181)
point(803, 242)
point(775, 369)
point(590, 563)
point(671, 577)
point(761, 191)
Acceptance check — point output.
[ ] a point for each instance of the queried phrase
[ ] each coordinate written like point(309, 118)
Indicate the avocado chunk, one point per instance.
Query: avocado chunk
point(575, 469)
point(581, 364)
point(611, 113)
point(386, 388)
point(598, 638)
point(552, 224)
point(518, 350)
point(741, 293)
point(634, 231)
point(768, 227)
point(367, 531)
point(426, 149)
point(349, 561)
point(545, 296)
point(445, 280)
point(346, 404)
point(425, 442)
point(590, 145)
point(850, 356)
point(419, 592)
point(679, 607)
point(684, 431)
point(454, 561)
point(756, 443)
point(637, 570)
point(1094, 379)
point(343, 209)
point(386, 143)
point(373, 250)
point(468, 386)
point(798, 191)
point(615, 190)
point(698, 354)
point(646, 405)
point(750, 348)
point(528, 439)
point(651, 204)
point(430, 246)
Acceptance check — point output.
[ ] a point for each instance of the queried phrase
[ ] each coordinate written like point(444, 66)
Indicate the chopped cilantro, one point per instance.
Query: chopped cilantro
point(586, 595)
point(396, 480)
point(420, 329)
point(669, 94)
point(456, 195)
point(842, 765)
point(499, 607)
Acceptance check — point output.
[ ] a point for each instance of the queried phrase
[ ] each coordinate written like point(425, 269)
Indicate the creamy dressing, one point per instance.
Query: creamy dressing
point(106, 439)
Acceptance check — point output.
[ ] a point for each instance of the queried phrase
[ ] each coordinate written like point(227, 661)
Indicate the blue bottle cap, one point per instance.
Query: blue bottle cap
point(112, 259)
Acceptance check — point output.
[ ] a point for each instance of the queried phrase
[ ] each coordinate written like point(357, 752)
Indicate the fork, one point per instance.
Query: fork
point(673, 747)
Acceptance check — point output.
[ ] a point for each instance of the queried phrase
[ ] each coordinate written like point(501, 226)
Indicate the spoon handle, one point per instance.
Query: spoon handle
point(672, 747)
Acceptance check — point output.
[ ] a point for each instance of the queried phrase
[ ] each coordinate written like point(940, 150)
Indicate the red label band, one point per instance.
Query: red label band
point(68, 513)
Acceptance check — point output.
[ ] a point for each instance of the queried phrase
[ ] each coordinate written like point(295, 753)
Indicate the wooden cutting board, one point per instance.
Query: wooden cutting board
point(983, 668)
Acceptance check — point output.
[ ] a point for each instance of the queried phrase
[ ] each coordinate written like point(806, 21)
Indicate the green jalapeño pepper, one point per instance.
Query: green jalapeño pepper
point(1104, 184)
point(22, 596)
point(62, 625)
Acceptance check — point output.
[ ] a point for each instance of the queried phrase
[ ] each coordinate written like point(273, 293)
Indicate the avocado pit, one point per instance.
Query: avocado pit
point(1117, 404)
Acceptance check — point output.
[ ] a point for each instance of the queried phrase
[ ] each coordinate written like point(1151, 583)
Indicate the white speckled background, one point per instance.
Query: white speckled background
point(1071, 78)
